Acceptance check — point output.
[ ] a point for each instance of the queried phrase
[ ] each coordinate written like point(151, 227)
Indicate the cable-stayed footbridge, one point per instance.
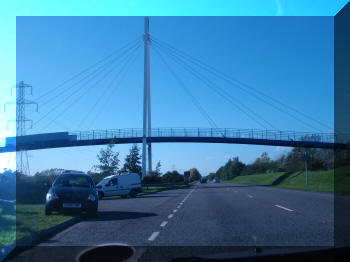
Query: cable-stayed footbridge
point(77, 87)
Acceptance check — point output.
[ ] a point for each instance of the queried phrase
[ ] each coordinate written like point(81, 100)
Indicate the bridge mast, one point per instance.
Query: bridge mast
point(149, 103)
point(146, 103)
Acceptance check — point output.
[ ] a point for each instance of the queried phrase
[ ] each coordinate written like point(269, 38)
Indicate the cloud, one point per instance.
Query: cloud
point(279, 7)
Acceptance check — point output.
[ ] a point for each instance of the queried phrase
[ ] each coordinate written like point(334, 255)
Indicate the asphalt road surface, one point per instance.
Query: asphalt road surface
point(210, 218)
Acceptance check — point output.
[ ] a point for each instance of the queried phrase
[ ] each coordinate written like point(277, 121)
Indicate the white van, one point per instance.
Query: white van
point(119, 185)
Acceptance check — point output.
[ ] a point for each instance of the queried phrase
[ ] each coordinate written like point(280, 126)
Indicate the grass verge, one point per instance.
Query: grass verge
point(321, 181)
point(7, 225)
point(31, 219)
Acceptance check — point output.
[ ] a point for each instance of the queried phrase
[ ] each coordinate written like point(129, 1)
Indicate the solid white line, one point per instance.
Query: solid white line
point(153, 236)
point(163, 224)
point(171, 215)
point(284, 208)
point(250, 196)
point(175, 210)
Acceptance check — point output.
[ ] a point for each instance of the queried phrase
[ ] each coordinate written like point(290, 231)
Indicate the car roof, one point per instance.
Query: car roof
point(122, 174)
point(74, 173)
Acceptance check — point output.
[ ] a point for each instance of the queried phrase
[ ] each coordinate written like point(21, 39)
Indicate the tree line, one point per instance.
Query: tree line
point(318, 159)
point(32, 189)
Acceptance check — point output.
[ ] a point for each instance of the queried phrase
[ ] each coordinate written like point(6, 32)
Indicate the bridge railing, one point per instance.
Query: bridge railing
point(211, 132)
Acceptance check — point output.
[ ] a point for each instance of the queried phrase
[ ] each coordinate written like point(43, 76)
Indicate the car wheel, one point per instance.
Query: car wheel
point(124, 196)
point(47, 211)
point(133, 193)
point(100, 195)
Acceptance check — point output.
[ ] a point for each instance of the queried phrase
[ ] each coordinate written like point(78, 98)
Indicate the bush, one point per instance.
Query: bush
point(8, 185)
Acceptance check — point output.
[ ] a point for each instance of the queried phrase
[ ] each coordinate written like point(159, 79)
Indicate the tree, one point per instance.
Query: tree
point(132, 162)
point(194, 174)
point(172, 177)
point(109, 161)
point(231, 169)
point(157, 172)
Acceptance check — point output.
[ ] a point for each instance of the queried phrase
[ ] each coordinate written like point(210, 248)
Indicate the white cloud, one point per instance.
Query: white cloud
point(279, 7)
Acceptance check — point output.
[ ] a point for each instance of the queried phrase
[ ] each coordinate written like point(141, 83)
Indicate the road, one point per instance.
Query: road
point(215, 215)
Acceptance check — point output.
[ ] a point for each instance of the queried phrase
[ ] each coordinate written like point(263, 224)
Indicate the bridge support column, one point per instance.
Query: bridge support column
point(146, 104)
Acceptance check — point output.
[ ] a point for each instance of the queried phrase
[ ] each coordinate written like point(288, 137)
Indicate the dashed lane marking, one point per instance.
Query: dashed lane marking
point(153, 236)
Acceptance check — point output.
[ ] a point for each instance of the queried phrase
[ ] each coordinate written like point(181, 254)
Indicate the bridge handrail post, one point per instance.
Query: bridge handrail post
point(211, 132)
point(158, 131)
point(198, 132)
point(171, 131)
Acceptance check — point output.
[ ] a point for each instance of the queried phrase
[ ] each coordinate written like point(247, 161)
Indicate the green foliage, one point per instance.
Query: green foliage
point(8, 185)
point(322, 181)
point(158, 166)
point(194, 174)
point(33, 189)
point(132, 163)
point(211, 176)
point(154, 178)
point(172, 177)
point(108, 161)
point(231, 169)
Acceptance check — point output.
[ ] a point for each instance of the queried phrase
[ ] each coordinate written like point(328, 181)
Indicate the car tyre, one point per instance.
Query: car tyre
point(100, 195)
point(133, 193)
point(48, 211)
point(124, 196)
point(93, 213)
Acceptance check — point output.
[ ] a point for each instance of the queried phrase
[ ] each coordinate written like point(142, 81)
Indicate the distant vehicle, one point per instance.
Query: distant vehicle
point(120, 185)
point(216, 180)
point(72, 191)
point(203, 180)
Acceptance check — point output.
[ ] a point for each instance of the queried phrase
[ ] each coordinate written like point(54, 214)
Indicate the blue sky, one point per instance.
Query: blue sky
point(288, 58)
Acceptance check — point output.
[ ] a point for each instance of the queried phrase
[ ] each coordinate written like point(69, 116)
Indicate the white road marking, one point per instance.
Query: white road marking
point(284, 208)
point(178, 206)
point(171, 215)
point(175, 210)
point(153, 236)
point(163, 224)
point(250, 196)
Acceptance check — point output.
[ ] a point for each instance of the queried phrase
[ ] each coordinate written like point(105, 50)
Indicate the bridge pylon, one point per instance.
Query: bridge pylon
point(146, 105)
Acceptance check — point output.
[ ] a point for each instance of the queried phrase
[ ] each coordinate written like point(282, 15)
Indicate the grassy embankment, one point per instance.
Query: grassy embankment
point(321, 181)
point(31, 218)
point(25, 221)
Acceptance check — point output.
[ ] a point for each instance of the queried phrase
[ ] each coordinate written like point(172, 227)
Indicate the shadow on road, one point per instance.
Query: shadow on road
point(118, 215)
point(142, 196)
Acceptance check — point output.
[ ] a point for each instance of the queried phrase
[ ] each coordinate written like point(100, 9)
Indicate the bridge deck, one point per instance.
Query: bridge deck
point(164, 135)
